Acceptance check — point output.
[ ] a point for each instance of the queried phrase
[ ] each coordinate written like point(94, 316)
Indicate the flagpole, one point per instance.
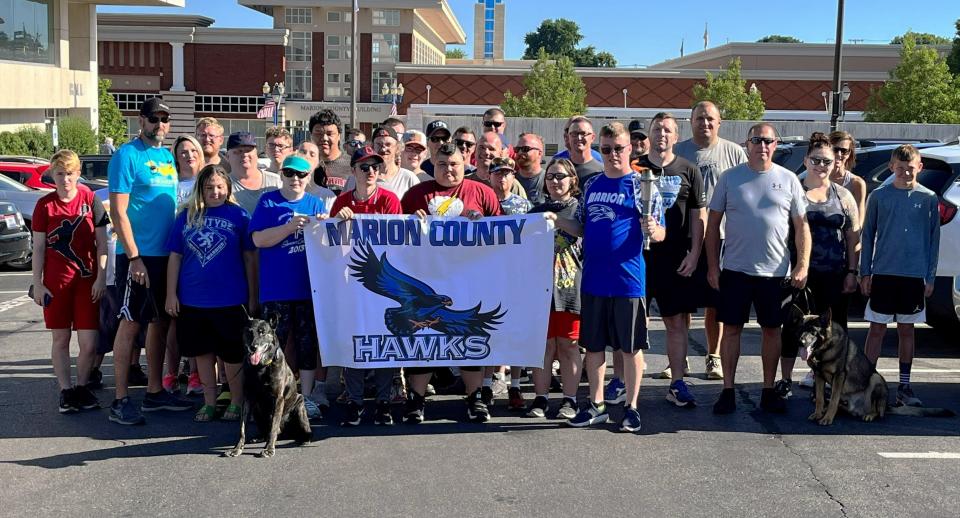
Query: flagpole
point(353, 66)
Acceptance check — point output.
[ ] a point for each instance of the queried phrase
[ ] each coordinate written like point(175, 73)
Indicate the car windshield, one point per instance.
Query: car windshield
point(7, 184)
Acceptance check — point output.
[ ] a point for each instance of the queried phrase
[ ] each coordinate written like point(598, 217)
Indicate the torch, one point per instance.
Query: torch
point(647, 178)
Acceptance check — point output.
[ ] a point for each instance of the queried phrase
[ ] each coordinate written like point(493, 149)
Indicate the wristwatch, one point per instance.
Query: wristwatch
point(854, 271)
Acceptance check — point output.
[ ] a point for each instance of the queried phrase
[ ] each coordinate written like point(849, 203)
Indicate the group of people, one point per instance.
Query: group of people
point(203, 242)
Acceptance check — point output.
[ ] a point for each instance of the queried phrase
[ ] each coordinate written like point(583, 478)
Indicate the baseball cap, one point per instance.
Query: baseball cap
point(636, 127)
point(153, 105)
point(297, 163)
point(436, 126)
point(385, 131)
point(364, 153)
point(241, 138)
point(502, 164)
point(415, 138)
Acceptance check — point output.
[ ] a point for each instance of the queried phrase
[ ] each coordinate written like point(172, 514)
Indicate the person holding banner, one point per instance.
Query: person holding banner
point(563, 329)
point(449, 195)
point(613, 305)
point(367, 197)
point(277, 230)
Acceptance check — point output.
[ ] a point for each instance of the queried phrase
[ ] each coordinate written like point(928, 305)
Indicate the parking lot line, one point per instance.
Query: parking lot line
point(10, 304)
point(918, 455)
point(920, 371)
point(15, 274)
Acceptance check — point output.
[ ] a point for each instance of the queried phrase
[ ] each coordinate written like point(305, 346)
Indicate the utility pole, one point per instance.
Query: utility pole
point(353, 65)
point(837, 57)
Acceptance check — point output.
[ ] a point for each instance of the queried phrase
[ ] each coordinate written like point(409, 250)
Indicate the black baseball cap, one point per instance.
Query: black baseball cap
point(364, 153)
point(636, 127)
point(436, 126)
point(153, 105)
point(385, 131)
point(241, 138)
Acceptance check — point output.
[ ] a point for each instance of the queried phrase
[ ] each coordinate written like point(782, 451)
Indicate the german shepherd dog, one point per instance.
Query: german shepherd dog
point(270, 392)
point(856, 386)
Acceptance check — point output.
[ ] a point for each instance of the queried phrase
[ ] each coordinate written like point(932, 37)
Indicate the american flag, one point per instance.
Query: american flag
point(267, 111)
point(393, 109)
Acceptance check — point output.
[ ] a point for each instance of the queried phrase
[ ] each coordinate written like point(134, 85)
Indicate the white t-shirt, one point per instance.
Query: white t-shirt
point(399, 184)
point(326, 195)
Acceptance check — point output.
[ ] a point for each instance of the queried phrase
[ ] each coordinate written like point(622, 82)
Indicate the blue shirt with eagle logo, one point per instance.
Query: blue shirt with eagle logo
point(613, 264)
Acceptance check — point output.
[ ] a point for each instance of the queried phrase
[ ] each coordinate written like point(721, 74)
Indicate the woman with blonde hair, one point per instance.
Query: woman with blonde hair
point(845, 151)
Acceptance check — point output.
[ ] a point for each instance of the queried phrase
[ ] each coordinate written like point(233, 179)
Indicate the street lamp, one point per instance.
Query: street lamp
point(624, 97)
point(276, 95)
point(392, 94)
point(428, 93)
point(753, 88)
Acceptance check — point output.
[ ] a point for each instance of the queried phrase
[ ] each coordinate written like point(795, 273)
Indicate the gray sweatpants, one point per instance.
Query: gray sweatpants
point(383, 378)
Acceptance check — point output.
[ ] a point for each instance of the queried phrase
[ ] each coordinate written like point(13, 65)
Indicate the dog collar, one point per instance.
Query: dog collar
point(266, 363)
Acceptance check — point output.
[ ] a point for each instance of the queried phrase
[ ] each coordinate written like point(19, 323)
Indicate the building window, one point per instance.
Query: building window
point(339, 17)
point(298, 15)
point(227, 103)
point(339, 47)
point(336, 86)
point(386, 47)
point(300, 48)
point(378, 80)
point(386, 17)
point(299, 84)
point(130, 102)
point(26, 31)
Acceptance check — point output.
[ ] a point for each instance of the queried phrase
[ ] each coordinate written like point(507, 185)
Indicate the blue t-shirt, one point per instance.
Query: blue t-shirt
point(610, 212)
point(283, 267)
point(148, 175)
point(212, 273)
point(566, 155)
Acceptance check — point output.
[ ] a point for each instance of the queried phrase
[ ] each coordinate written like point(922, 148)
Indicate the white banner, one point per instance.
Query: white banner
point(394, 291)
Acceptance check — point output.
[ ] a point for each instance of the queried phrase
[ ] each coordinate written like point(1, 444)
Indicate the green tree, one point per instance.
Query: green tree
point(921, 38)
point(953, 59)
point(77, 135)
point(729, 92)
point(38, 143)
point(777, 38)
point(560, 37)
point(921, 89)
point(111, 121)
point(456, 53)
point(10, 144)
point(552, 90)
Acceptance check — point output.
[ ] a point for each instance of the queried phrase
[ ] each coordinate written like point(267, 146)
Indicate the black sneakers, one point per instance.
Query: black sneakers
point(476, 409)
point(85, 399)
point(381, 415)
point(68, 402)
point(352, 414)
point(136, 377)
point(96, 379)
point(414, 408)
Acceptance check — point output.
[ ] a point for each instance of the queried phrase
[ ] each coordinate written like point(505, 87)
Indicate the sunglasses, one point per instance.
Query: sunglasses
point(492, 124)
point(355, 143)
point(465, 143)
point(154, 119)
point(525, 149)
point(841, 150)
point(557, 176)
point(290, 173)
point(366, 168)
point(821, 161)
point(580, 134)
point(439, 140)
point(762, 140)
point(606, 150)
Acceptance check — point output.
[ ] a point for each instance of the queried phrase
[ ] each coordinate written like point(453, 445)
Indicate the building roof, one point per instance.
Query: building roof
point(153, 20)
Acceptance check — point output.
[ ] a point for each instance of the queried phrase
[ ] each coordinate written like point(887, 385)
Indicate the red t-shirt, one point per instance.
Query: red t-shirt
point(382, 202)
point(71, 242)
point(438, 200)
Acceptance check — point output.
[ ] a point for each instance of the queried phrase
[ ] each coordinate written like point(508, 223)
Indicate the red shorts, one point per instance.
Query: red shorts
point(71, 306)
point(563, 324)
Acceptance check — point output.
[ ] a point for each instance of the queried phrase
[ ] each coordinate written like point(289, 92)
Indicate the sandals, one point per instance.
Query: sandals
point(206, 414)
point(232, 413)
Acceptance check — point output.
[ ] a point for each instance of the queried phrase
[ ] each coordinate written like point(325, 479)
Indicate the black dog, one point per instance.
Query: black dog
point(270, 392)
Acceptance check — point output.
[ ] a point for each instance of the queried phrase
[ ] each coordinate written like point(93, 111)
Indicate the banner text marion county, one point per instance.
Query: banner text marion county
point(411, 232)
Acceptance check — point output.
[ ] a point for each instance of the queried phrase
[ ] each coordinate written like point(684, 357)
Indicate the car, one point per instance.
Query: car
point(870, 153)
point(23, 159)
point(16, 245)
point(29, 174)
point(956, 296)
point(94, 167)
point(22, 196)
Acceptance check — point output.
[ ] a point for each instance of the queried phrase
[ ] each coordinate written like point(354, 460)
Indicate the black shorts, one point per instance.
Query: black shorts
point(617, 322)
point(110, 322)
point(738, 291)
point(137, 302)
point(217, 331)
point(896, 295)
point(706, 296)
point(296, 316)
point(674, 293)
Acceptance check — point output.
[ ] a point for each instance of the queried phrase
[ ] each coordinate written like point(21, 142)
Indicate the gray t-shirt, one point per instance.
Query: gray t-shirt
point(586, 170)
point(534, 187)
point(711, 160)
point(758, 207)
point(248, 198)
point(399, 184)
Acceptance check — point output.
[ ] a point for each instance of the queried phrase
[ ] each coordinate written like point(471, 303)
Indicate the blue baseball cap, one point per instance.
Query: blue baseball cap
point(241, 138)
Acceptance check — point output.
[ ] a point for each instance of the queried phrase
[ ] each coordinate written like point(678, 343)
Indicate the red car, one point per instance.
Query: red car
point(28, 174)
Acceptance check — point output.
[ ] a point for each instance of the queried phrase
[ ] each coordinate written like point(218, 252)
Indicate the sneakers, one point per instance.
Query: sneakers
point(538, 408)
point(590, 416)
point(413, 412)
point(352, 414)
point(665, 374)
point(726, 403)
point(783, 388)
point(631, 420)
point(96, 379)
point(486, 395)
point(68, 403)
point(516, 401)
point(615, 392)
point(771, 402)
point(194, 386)
point(313, 410)
point(906, 397)
point(568, 409)
point(398, 392)
point(164, 400)
point(124, 411)
point(476, 409)
point(499, 386)
point(84, 398)
point(170, 383)
point(808, 381)
point(714, 369)
point(679, 394)
point(136, 377)
point(382, 415)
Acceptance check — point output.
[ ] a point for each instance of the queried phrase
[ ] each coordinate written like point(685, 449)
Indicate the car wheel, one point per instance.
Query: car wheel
point(24, 263)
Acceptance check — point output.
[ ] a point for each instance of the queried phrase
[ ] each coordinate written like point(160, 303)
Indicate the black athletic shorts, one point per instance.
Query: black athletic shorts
point(137, 302)
point(897, 295)
point(296, 316)
point(706, 296)
point(738, 291)
point(110, 321)
point(674, 293)
point(617, 322)
point(216, 331)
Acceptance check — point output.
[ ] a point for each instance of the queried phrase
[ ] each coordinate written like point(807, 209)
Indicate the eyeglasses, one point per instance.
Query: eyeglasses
point(762, 140)
point(525, 149)
point(820, 161)
point(606, 150)
point(492, 124)
point(841, 150)
point(464, 143)
point(355, 143)
point(208, 136)
point(580, 134)
point(279, 147)
point(439, 140)
point(366, 168)
point(154, 119)
point(290, 173)
point(556, 176)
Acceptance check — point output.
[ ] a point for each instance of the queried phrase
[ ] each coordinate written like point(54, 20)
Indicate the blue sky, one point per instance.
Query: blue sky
point(640, 32)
